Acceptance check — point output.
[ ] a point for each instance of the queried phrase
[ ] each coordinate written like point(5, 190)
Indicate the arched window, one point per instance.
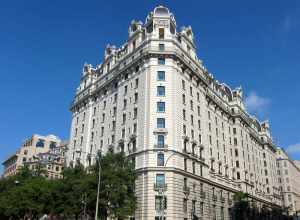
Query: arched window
point(40, 143)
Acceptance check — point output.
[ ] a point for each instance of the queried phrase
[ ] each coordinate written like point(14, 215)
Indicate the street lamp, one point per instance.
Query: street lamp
point(163, 189)
point(98, 157)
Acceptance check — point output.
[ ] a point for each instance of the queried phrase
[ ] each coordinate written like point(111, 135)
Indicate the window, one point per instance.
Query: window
point(183, 99)
point(161, 47)
point(158, 204)
point(185, 205)
point(161, 33)
point(194, 167)
point(136, 97)
point(161, 106)
point(160, 180)
point(235, 142)
point(160, 123)
point(52, 145)
point(201, 208)
point(222, 213)
point(125, 104)
point(161, 91)
point(136, 83)
point(183, 114)
point(161, 141)
point(125, 90)
point(238, 176)
point(40, 143)
point(161, 75)
point(193, 207)
point(183, 84)
point(135, 112)
point(160, 159)
point(161, 61)
point(185, 164)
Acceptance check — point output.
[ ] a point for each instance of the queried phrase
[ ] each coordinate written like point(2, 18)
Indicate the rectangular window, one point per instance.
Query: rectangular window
point(161, 91)
point(161, 47)
point(161, 61)
point(161, 33)
point(161, 75)
point(135, 112)
point(160, 106)
point(160, 180)
point(136, 97)
point(160, 123)
point(160, 159)
point(185, 205)
point(160, 141)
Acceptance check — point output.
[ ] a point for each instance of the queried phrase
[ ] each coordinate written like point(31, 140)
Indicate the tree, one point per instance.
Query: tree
point(117, 198)
point(241, 205)
point(30, 195)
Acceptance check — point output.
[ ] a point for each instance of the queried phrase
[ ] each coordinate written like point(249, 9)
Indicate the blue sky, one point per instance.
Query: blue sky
point(43, 45)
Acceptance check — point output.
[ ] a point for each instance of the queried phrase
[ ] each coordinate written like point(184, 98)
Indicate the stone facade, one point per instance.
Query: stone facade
point(30, 148)
point(288, 173)
point(190, 136)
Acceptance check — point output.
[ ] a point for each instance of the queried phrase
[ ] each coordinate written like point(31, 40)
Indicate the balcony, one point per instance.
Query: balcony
point(161, 146)
point(160, 187)
point(160, 131)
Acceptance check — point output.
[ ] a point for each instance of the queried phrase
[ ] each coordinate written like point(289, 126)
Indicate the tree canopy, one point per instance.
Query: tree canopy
point(30, 195)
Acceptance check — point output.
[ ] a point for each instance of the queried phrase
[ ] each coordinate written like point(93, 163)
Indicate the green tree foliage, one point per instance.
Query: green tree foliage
point(241, 205)
point(29, 195)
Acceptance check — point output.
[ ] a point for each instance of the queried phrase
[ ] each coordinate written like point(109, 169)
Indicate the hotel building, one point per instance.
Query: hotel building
point(190, 136)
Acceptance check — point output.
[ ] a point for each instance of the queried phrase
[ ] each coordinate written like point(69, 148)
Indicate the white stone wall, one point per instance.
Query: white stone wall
point(222, 118)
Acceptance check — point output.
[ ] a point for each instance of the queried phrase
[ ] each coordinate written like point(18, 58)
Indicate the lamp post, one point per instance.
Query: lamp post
point(163, 189)
point(98, 157)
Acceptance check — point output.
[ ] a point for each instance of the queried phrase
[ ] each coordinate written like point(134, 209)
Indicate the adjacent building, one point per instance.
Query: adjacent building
point(191, 139)
point(28, 153)
point(51, 163)
point(288, 172)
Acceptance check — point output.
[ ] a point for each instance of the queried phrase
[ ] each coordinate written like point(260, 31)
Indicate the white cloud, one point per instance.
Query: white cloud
point(293, 149)
point(257, 104)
